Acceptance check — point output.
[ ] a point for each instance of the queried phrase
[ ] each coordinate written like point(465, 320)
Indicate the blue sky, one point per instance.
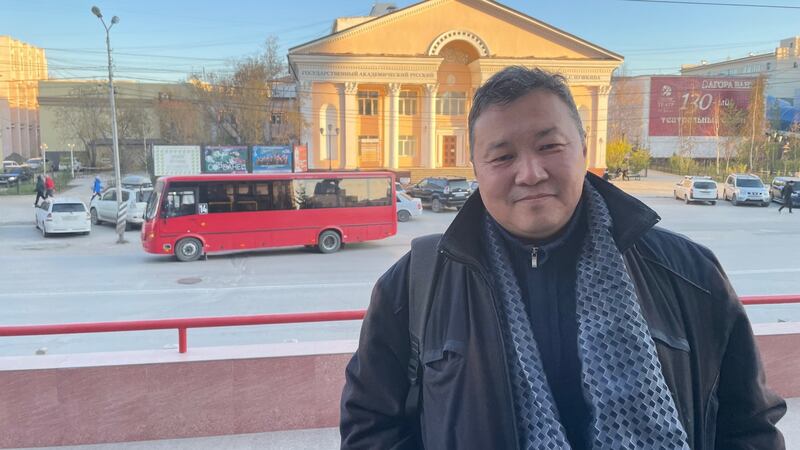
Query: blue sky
point(166, 40)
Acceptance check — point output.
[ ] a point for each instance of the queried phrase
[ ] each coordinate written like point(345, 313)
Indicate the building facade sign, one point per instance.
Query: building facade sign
point(176, 160)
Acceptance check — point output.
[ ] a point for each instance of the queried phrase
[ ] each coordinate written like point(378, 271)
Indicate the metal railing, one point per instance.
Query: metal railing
point(182, 325)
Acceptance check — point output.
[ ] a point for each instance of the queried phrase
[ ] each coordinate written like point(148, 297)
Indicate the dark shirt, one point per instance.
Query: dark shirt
point(549, 294)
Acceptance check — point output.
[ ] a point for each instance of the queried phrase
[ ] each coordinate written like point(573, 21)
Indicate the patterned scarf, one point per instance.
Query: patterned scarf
point(631, 405)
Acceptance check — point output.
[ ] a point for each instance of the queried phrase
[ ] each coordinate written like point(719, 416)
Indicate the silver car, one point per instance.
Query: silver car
point(103, 208)
point(745, 188)
point(696, 189)
point(62, 215)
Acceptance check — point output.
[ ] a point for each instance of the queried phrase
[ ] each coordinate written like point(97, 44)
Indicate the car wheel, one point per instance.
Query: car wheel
point(93, 215)
point(436, 205)
point(403, 216)
point(765, 204)
point(713, 203)
point(458, 208)
point(188, 249)
point(329, 241)
point(734, 202)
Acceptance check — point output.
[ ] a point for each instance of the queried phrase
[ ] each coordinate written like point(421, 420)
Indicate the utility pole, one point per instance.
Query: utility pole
point(122, 208)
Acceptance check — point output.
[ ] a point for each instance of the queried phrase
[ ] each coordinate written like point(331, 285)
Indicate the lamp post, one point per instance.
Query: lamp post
point(43, 148)
point(330, 133)
point(121, 208)
point(71, 160)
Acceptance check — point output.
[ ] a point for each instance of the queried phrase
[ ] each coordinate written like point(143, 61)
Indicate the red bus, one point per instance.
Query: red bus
point(189, 216)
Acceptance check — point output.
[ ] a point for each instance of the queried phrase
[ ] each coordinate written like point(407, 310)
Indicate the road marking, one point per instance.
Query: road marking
point(195, 290)
point(762, 271)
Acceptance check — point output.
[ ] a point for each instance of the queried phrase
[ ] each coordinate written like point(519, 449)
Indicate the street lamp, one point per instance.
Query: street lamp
point(43, 148)
point(331, 133)
point(121, 209)
point(71, 160)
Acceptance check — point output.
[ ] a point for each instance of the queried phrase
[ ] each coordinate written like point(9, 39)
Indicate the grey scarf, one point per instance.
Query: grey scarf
point(631, 405)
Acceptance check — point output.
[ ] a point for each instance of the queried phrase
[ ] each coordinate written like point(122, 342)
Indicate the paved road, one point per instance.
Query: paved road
point(90, 278)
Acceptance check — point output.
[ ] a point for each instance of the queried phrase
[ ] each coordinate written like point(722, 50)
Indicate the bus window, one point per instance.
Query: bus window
point(180, 202)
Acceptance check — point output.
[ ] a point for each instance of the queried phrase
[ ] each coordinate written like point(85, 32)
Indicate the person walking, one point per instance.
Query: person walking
point(40, 194)
point(49, 185)
point(97, 187)
point(786, 193)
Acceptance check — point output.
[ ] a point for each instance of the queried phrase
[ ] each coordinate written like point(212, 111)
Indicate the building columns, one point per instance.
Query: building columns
point(428, 159)
point(394, 125)
point(304, 95)
point(598, 158)
point(348, 113)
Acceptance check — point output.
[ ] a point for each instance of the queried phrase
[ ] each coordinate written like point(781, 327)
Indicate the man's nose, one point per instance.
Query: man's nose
point(530, 171)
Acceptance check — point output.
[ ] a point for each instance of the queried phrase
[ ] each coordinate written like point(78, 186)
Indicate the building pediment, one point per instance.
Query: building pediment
point(424, 28)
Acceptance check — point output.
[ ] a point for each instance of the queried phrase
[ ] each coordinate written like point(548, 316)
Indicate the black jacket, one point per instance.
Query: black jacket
point(704, 342)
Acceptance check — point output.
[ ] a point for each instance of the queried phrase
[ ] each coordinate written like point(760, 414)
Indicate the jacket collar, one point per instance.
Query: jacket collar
point(631, 219)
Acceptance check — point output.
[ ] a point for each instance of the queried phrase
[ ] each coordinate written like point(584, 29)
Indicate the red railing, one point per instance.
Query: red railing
point(266, 319)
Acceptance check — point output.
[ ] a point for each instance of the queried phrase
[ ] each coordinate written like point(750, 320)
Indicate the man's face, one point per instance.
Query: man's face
point(529, 160)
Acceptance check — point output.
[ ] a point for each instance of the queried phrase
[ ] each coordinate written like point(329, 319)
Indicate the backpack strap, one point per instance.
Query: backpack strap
point(422, 273)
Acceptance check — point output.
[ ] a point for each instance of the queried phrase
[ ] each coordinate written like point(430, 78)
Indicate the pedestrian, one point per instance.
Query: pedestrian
point(97, 187)
point(40, 192)
point(552, 313)
point(786, 194)
point(49, 185)
point(625, 174)
point(606, 176)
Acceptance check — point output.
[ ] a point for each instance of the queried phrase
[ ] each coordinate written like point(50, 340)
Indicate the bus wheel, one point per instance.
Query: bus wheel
point(188, 249)
point(329, 241)
point(403, 216)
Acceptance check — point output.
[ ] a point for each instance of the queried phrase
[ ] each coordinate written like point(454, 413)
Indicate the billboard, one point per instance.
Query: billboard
point(176, 160)
point(225, 159)
point(688, 106)
point(272, 159)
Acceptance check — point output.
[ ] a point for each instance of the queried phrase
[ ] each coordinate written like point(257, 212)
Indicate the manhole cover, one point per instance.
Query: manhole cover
point(190, 280)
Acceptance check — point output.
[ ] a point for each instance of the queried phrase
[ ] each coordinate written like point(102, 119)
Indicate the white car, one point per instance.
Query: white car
point(7, 164)
point(103, 208)
point(407, 207)
point(746, 188)
point(62, 215)
point(696, 189)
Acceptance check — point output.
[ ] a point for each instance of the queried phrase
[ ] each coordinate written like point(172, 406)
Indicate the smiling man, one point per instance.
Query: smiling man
point(558, 315)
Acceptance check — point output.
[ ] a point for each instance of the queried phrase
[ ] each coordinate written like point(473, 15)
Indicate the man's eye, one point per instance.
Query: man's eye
point(552, 147)
point(503, 158)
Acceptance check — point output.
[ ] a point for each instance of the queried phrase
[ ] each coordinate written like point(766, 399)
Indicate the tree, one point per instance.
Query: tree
point(625, 110)
point(730, 125)
point(756, 124)
point(88, 120)
point(617, 152)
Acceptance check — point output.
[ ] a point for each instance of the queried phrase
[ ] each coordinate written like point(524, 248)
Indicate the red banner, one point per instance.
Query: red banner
point(300, 158)
point(689, 106)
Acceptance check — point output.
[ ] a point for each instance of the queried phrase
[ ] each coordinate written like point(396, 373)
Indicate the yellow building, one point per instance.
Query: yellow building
point(393, 89)
point(21, 67)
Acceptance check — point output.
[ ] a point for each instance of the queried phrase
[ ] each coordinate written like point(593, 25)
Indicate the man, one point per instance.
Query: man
point(40, 191)
point(786, 194)
point(97, 187)
point(560, 317)
point(49, 185)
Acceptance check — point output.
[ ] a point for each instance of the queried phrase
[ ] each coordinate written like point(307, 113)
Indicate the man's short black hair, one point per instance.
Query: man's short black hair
point(515, 82)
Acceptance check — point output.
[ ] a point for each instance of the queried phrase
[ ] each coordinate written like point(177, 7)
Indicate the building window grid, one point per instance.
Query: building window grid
point(406, 146)
point(451, 103)
point(368, 103)
point(408, 103)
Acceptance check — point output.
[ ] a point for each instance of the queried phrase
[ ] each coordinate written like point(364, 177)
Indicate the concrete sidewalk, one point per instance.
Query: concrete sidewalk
point(328, 439)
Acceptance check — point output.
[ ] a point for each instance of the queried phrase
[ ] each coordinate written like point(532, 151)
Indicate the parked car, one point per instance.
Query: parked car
point(62, 215)
point(64, 165)
point(696, 189)
point(441, 192)
point(14, 175)
point(35, 163)
point(103, 208)
point(407, 207)
point(136, 182)
point(7, 164)
point(473, 185)
point(776, 190)
point(745, 188)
